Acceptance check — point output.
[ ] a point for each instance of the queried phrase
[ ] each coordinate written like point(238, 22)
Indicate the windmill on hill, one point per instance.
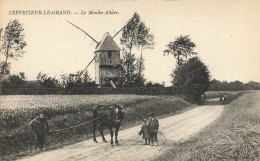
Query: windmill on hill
point(107, 60)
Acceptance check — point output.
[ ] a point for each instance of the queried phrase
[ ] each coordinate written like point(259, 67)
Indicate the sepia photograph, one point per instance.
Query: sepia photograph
point(132, 80)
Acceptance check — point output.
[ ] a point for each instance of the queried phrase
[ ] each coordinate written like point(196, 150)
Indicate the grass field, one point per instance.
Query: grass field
point(234, 136)
point(17, 139)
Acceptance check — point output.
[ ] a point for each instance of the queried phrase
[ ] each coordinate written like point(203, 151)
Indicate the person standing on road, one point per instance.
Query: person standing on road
point(145, 131)
point(153, 128)
point(40, 128)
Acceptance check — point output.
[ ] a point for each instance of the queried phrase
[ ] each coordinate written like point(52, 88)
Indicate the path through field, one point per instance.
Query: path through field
point(172, 129)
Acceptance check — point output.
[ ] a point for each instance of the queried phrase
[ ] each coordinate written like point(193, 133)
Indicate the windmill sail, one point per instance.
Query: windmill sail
point(118, 32)
point(86, 67)
point(83, 31)
point(122, 28)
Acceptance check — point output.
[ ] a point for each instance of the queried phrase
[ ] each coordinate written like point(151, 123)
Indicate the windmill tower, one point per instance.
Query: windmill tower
point(107, 60)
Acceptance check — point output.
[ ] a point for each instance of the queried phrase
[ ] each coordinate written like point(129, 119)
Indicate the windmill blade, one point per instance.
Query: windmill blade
point(118, 32)
point(86, 67)
point(121, 29)
point(82, 31)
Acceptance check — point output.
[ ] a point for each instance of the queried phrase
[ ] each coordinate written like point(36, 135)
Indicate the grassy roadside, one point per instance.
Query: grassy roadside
point(233, 136)
point(17, 139)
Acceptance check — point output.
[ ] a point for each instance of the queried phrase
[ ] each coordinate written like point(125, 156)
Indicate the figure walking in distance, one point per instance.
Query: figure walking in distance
point(153, 128)
point(40, 127)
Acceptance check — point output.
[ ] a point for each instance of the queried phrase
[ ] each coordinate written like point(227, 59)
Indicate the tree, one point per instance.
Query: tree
point(182, 48)
point(145, 40)
point(252, 85)
point(129, 39)
point(227, 86)
point(1, 30)
point(191, 79)
point(128, 68)
point(139, 77)
point(154, 84)
point(12, 44)
point(130, 33)
point(1, 37)
point(5, 67)
point(15, 81)
point(136, 34)
point(236, 85)
point(46, 81)
point(77, 80)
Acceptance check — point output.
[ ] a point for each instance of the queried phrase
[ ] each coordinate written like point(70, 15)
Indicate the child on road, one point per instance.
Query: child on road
point(145, 131)
point(153, 128)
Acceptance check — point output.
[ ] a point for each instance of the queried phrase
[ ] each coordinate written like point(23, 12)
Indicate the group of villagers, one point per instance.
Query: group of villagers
point(149, 130)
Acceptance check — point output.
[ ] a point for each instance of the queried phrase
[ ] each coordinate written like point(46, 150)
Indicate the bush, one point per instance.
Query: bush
point(15, 81)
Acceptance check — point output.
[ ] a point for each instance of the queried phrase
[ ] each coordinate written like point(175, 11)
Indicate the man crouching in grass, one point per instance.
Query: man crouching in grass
point(40, 128)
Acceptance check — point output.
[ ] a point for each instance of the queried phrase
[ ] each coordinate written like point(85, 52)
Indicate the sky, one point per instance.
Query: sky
point(227, 35)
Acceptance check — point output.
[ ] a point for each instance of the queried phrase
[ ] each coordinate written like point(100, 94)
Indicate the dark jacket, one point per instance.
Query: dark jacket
point(39, 125)
point(153, 125)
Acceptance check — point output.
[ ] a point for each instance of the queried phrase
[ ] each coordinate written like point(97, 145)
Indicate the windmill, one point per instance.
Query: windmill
point(107, 60)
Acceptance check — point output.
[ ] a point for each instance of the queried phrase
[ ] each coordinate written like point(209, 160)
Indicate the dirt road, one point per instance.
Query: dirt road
point(174, 128)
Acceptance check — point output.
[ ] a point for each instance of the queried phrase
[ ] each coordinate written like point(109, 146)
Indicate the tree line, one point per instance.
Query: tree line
point(216, 85)
point(44, 81)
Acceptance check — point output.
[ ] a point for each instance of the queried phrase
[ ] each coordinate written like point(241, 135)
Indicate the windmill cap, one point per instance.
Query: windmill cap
point(107, 43)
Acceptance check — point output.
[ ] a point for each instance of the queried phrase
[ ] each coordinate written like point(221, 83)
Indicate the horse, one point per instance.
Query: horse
point(107, 116)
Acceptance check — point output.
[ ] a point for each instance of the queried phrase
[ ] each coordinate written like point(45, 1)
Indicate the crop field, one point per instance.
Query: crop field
point(19, 109)
point(61, 101)
point(17, 138)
